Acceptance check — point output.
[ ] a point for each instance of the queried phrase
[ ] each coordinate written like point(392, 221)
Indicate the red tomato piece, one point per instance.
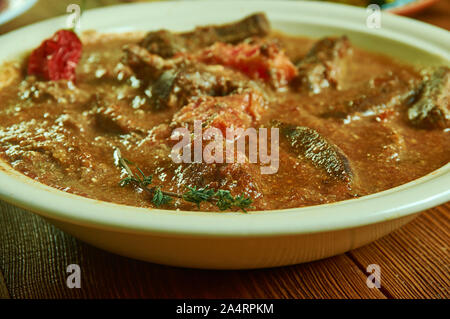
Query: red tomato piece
point(259, 61)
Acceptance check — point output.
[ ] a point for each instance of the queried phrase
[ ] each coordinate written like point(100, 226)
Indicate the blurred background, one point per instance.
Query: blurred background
point(17, 13)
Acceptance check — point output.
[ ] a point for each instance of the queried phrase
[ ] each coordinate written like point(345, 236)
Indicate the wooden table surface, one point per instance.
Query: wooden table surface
point(414, 260)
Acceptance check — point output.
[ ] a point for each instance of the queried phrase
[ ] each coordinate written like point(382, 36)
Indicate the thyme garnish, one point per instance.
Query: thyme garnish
point(221, 198)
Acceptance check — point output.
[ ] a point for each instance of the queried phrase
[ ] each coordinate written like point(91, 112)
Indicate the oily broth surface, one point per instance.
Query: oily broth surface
point(58, 142)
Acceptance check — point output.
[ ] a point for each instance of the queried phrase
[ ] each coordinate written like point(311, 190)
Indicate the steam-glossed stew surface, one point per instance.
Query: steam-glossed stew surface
point(351, 122)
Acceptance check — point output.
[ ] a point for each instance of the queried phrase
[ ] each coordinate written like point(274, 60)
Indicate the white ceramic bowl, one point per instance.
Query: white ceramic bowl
point(237, 240)
point(14, 9)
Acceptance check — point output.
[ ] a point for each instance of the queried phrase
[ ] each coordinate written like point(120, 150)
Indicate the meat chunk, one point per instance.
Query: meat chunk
point(176, 87)
point(310, 145)
point(322, 65)
point(116, 117)
point(263, 60)
point(238, 178)
point(161, 90)
point(145, 65)
point(167, 44)
point(238, 111)
point(256, 25)
point(432, 108)
point(377, 97)
point(56, 142)
point(232, 111)
point(109, 119)
point(172, 82)
point(164, 43)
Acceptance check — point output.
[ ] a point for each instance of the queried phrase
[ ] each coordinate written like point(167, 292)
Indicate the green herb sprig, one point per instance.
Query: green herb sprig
point(221, 198)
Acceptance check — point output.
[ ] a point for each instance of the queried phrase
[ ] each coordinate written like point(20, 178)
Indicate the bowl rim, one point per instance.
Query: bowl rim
point(411, 8)
point(15, 11)
point(404, 200)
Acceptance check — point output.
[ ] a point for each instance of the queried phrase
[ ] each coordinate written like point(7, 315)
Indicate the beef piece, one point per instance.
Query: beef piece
point(174, 88)
point(238, 178)
point(157, 137)
point(164, 43)
point(233, 111)
point(171, 83)
point(167, 44)
point(263, 60)
point(57, 142)
point(374, 98)
point(160, 91)
point(109, 119)
point(309, 144)
point(238, 111)
point(321, 67)
point(145, 65)
point(117, 117)
point(255, 25)
point(432, 108)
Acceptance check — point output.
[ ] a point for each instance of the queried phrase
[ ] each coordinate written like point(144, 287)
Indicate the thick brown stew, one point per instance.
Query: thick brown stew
point(351, 122)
